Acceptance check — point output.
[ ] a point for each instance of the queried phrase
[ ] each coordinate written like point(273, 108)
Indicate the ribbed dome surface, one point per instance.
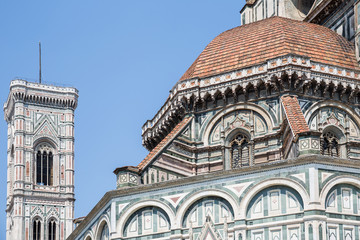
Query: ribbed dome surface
point(257, 42)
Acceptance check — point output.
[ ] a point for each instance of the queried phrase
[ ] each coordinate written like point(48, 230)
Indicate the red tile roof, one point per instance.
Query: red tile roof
point(294, 115)
point(178, 128)
point(257, 42)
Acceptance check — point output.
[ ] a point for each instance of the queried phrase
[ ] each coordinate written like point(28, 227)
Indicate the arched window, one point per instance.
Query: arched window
point(44, 166)
point(240, 156)
point(310, 232)
point(104, 233)
point(52, 230)
point(320, 232)
point(36, 229)
point(330, 145)
point(152, 178)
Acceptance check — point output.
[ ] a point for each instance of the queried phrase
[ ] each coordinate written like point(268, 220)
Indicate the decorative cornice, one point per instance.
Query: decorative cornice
point(40, 94)
point(274, 75)
point(126, 169)
point(322, 10)
point(300, 161)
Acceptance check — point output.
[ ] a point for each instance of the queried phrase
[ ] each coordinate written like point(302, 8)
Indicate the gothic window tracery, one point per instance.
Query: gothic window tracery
point(44, 165)
point(330, 145)
point(36, 229)
point(52, 230)
point(240, 156)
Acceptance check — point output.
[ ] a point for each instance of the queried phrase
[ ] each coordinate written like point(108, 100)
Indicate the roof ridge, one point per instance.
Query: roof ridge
point(156, 150)
point(294, 115)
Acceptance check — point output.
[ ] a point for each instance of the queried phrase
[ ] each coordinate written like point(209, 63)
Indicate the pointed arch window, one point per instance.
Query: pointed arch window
point(330, 145)
point(240, 156)
point(104, 233)
point(44, 166)
point(310, 232)
point(36, 229)
point(52, 230)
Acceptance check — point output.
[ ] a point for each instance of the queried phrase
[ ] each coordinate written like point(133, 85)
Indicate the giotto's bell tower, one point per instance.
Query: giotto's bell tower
point(40, 166)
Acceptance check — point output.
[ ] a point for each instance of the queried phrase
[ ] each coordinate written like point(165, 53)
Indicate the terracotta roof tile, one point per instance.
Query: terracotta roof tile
point(257, 42)
point(177, 129)
point(294, 115)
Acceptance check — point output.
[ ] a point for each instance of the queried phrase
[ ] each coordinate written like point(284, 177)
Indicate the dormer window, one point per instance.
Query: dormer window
point(240, 156)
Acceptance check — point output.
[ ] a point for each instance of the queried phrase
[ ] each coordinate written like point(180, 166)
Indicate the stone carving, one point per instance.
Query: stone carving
point(260, 126)
point(209, 231)
point(216, 135)
point(304, 144)
point(315, 144)
point(237, 123)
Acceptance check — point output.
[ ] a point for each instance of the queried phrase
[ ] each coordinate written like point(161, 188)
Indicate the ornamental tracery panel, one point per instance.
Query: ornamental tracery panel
point(339, 130)
point(247, 120)
point(330, 144)
point(240, 151)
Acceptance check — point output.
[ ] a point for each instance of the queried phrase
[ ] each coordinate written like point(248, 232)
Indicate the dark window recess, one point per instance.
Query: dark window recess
point(36, 229)
point(44, 168)
point(52, 230)
point(330, 145)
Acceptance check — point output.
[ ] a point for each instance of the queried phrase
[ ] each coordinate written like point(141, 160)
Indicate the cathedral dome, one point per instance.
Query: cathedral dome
point(257, 42)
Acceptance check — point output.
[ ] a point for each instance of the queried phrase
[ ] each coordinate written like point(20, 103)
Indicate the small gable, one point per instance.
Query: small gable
point(151, 156)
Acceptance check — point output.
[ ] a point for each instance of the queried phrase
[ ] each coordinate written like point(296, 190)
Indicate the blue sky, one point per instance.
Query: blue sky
point(123, 56)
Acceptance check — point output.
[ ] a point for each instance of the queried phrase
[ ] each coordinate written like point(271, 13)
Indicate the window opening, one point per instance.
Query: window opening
point(36, 229)
point(44, 167)
point(240, 151)
point(310, 232)
point(330, 146)
point(104, 233)
point(320, 233)
point(52, 230)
